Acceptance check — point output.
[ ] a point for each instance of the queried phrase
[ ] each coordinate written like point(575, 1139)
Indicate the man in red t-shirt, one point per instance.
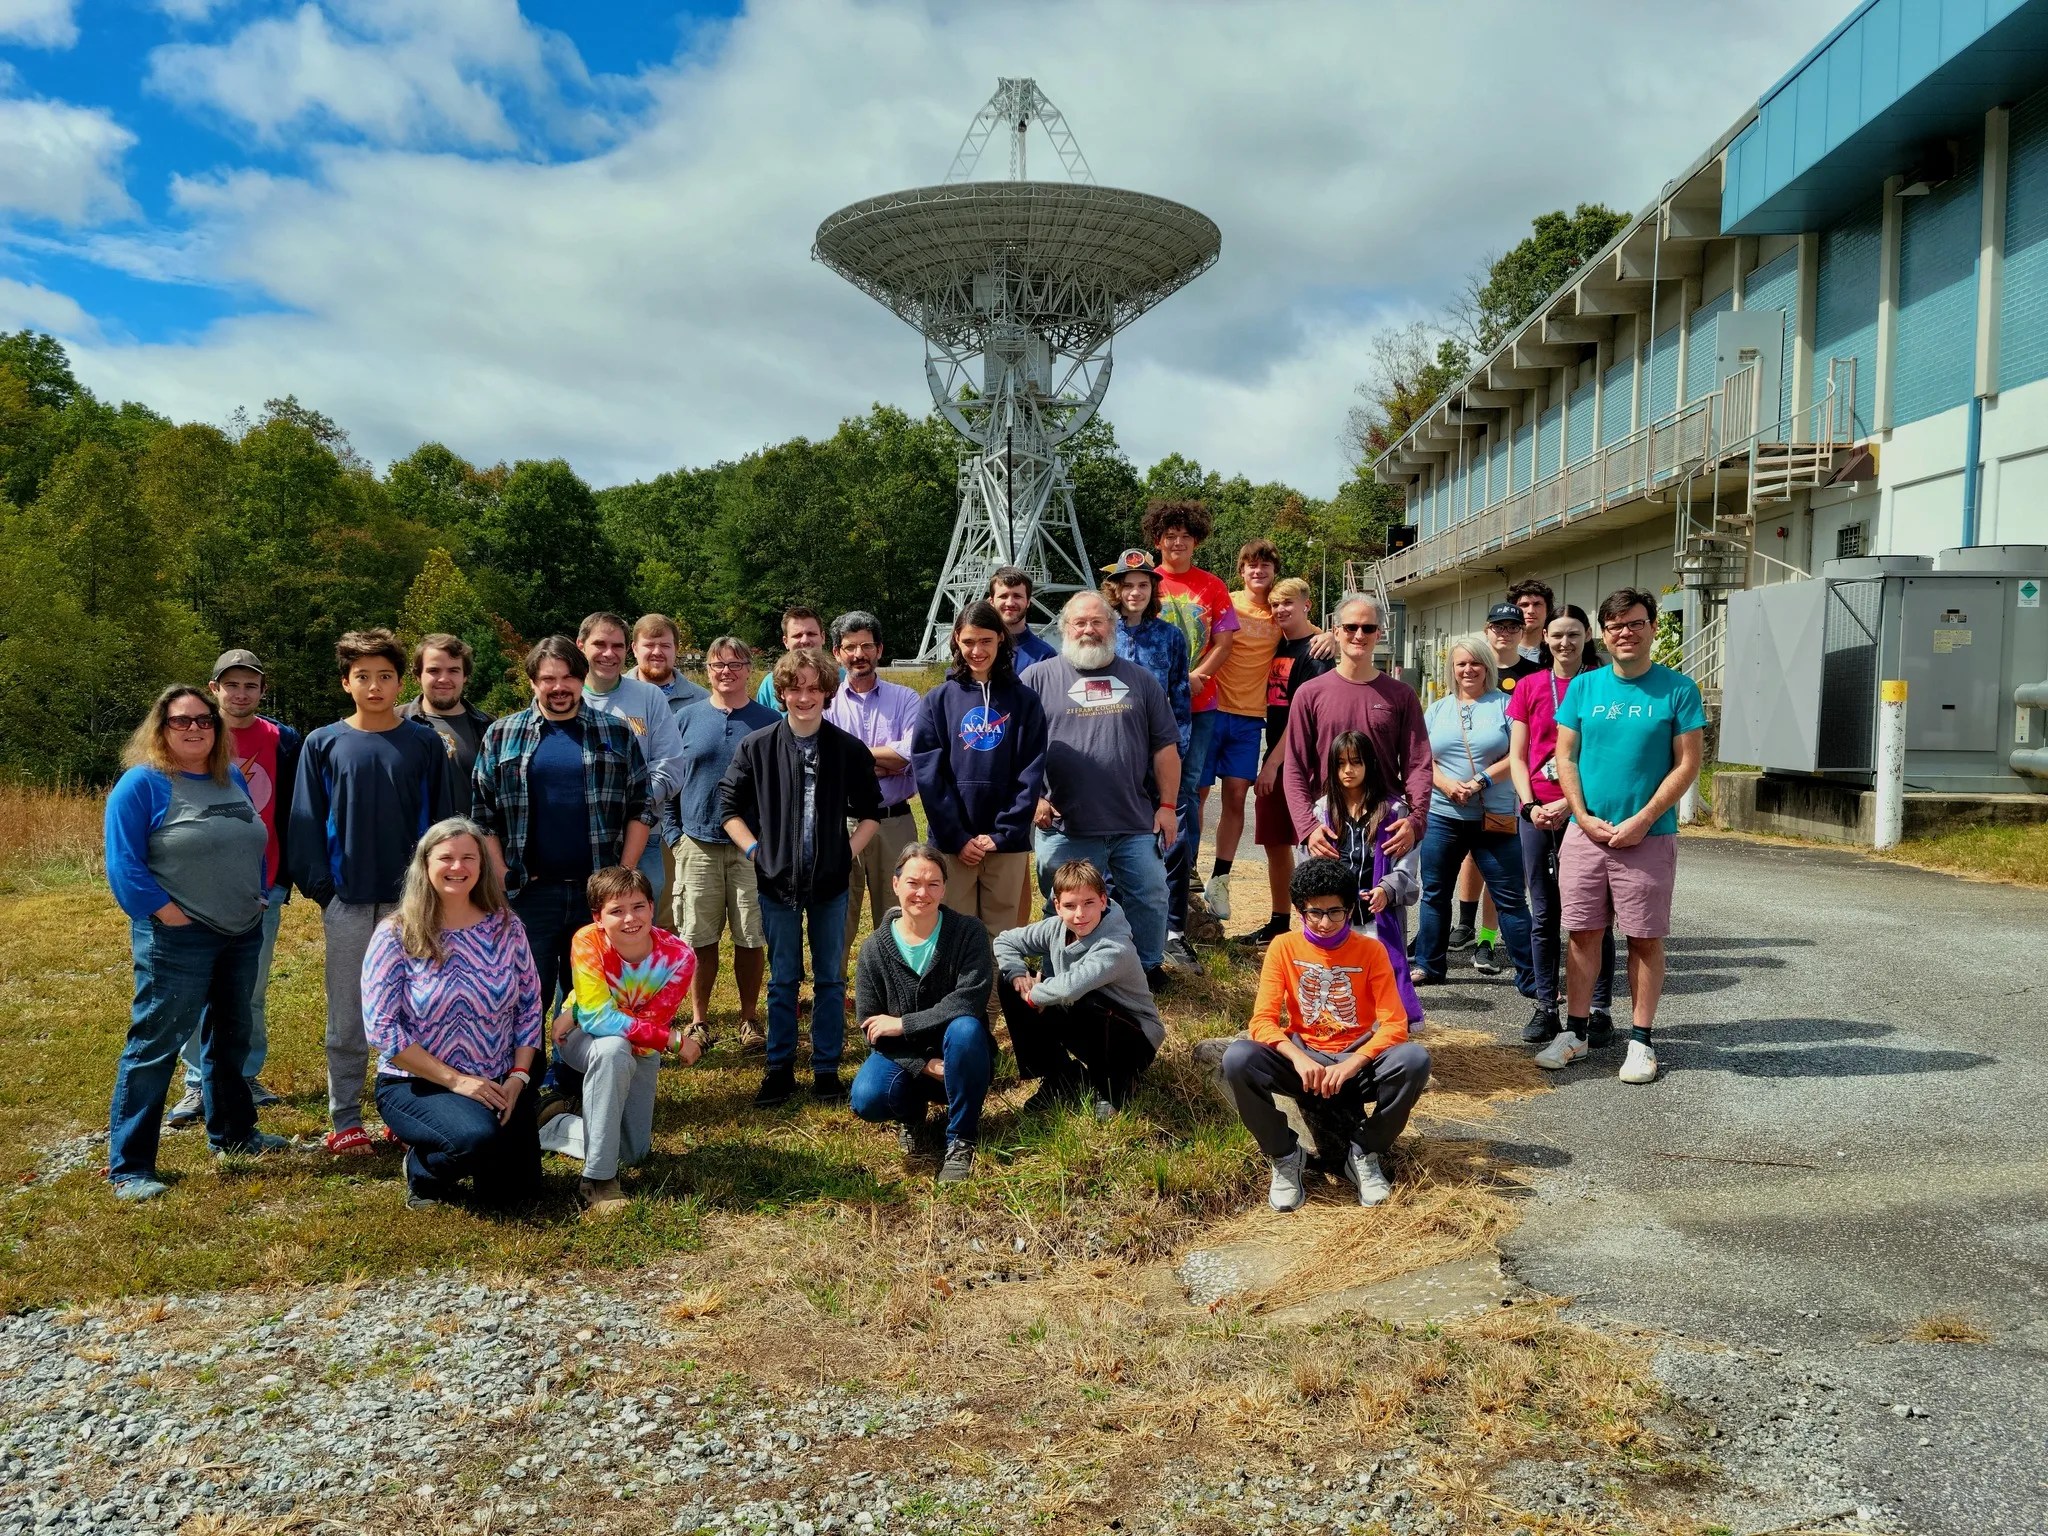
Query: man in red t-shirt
point(1198, 605)
point(267, 752)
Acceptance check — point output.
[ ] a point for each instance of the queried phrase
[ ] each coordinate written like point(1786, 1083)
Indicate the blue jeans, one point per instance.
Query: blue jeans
point(259, 1027)
point(653, 868)
point(185, 977)
point(551, 911)
point(448, 1136)
point(885, 1089)
point(1136, 875)
point(1539, 859)
point(784, 927)
point(1499, 857)
point(1180, 858)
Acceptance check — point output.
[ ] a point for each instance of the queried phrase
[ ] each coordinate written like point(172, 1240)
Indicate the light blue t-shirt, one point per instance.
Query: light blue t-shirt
point(1486, 720)
point(1627, 727)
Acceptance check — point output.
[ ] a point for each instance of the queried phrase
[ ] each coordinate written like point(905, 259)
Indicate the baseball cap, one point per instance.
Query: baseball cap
point(236, 658)
point(1504, 613)
point(1132, 562)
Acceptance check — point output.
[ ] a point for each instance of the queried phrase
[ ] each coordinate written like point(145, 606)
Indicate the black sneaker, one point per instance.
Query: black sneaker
point(1157, 979)
point(778, 1084)
point(1599, 1029)
point(910, 1134)
point(1484, 960)
point(1461, 936)
point(1542, 1027)
point(826, 1087)
point(1265, 934)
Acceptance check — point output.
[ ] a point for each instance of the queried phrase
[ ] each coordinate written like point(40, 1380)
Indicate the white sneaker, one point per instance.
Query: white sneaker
point(1641, 1065)
point(1563, 1051)
point(1288, 1192)
point(1366, 1172)
point(1217, 894)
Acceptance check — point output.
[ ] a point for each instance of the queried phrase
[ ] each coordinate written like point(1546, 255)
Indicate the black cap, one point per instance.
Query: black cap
point(1504, 613)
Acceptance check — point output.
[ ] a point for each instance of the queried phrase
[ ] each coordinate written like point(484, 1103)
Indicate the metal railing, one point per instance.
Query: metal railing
point(1703, 655)
point(1714, 427)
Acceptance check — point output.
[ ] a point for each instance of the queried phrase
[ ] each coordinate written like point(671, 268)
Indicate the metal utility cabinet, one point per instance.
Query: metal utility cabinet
point(1966, 629)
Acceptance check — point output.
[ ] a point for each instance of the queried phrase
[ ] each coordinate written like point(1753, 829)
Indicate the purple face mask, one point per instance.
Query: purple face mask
point(1330, 940)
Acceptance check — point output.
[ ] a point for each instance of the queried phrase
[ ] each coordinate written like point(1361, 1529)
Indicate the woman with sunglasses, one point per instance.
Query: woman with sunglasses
point(185, 858)
point(1532, 754)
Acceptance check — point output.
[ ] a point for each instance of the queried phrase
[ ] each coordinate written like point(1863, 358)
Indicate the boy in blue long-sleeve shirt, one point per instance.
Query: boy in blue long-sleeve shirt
point(368, 787)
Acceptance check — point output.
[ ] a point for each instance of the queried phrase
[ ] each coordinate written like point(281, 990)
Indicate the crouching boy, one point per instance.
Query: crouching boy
point(1086, 1019)
point(1329, 1031)
point(629, 978)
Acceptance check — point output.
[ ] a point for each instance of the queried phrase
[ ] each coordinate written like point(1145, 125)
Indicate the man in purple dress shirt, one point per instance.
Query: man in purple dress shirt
point(882, 716)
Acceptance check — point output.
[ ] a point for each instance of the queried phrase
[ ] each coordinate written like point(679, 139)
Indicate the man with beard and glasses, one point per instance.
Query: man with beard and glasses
point(1112, 772)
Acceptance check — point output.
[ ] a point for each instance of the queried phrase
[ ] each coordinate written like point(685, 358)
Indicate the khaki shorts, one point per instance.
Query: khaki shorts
point(990, 890)
point(715, 890)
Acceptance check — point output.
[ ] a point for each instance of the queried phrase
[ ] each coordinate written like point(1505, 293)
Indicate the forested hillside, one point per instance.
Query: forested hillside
point(137, 547)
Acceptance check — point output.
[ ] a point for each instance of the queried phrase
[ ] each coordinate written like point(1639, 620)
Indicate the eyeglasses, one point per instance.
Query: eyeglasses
point(188, 722)
point(725, 666)
point(1360, 629)
point(1326, 914)
point(1627, 627)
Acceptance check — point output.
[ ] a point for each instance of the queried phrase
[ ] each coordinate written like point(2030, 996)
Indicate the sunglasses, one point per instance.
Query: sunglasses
point(1360, 629)
point(188, 722)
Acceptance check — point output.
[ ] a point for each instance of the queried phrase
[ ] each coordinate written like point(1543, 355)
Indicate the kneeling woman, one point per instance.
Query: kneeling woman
point(1330, 1032)
point(921, 995)
point(451, 1002)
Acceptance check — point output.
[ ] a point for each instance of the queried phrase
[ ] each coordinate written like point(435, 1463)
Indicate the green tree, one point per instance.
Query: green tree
point(545, 558)
point(1516, 282)
point(442, 601)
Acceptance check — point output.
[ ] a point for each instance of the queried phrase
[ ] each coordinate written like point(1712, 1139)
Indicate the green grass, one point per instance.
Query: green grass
point(2018, 854)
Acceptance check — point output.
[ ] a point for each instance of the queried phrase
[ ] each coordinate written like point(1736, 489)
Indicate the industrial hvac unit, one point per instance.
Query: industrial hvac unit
point(1965, 629)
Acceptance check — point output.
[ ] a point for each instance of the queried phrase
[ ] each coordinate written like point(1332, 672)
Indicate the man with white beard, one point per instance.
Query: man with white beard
point(1112, 771)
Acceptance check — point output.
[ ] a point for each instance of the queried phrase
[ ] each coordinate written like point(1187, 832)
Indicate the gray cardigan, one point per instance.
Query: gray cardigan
point(1105, 961)
point(955, 985)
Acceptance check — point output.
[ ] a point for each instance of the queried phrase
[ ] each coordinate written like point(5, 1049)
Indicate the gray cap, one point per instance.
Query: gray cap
point(236, 658)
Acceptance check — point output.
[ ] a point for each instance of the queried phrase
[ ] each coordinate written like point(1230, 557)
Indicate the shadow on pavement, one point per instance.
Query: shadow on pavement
point(1804, 1048)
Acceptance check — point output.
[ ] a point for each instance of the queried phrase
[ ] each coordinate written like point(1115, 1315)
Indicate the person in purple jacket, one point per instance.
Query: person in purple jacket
point(979, 756)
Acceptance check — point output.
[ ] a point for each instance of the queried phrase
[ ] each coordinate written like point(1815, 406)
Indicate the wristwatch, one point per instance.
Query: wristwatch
point(1528, 810)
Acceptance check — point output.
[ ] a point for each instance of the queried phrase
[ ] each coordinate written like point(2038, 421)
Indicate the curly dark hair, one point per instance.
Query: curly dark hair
point(1322, 877)
point(981, 614)
point(1164, 516)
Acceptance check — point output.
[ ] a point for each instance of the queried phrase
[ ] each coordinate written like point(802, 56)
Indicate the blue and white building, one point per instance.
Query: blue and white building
point(1828, 336)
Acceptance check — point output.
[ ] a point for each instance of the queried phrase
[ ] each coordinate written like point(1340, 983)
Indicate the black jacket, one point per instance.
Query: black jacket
point(764, 787)
point(954, 985)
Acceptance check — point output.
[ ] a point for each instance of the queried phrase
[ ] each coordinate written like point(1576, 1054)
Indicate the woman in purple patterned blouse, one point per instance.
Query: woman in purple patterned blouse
point(451, 1002)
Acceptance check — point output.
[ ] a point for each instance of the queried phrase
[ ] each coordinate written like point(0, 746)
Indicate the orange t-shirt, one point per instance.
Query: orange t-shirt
point(1329, 999)
point(1241, 680)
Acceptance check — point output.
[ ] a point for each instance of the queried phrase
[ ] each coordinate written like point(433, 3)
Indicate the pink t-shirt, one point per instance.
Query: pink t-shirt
point(1534, 703)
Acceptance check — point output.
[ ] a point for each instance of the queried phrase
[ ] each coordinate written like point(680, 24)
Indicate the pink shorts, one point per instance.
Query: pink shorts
point(1628, 887)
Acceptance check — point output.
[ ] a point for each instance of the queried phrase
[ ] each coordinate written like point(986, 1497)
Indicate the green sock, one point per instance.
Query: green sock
point(1489, 936)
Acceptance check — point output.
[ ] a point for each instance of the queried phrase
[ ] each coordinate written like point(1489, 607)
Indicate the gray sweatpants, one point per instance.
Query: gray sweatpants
point(349, 926)
point(618, 1101)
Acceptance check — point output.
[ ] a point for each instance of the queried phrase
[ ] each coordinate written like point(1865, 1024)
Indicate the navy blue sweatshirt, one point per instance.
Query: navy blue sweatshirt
point(362, 800)
point(979, 756)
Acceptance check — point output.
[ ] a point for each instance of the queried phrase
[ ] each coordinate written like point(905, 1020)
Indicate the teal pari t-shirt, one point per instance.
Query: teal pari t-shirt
point(1626, 728)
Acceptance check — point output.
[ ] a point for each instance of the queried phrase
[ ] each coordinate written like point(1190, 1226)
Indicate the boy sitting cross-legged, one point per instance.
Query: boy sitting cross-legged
point(629, 979)
point(1089, 999)
point(1329, 1030)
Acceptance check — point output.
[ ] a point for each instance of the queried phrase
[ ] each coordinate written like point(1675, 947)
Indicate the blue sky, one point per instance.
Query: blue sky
point(565, 227)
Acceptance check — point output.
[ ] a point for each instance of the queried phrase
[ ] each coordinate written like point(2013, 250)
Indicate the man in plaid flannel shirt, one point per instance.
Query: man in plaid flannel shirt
point(560, 790)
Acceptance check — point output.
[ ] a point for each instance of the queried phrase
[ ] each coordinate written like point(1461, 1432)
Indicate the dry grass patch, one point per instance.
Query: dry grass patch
point(1947, 1328)
point(48, 836)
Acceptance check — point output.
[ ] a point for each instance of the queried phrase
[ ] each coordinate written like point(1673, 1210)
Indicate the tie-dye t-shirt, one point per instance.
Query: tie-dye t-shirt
point(637, 999)
point(1198, 605)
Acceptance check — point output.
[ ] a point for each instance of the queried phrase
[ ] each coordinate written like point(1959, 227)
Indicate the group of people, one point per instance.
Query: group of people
point(493, 892)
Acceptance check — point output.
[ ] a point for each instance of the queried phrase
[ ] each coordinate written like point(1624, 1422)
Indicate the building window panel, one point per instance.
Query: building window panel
point(1845, 311)
point(1937, 337)
point(1614, 389)
point(1663, 376)
point(1699, 348)
point(2023, 310)
point(1775, 285)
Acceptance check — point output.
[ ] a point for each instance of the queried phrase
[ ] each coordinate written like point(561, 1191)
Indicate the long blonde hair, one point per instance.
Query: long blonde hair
point(147, 748)
point(419, 907)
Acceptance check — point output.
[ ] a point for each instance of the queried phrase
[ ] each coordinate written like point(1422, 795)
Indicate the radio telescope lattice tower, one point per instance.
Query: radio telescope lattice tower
point(1019, 288)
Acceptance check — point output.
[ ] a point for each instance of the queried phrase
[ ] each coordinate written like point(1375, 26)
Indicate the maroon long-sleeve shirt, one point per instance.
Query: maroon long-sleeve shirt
point(1386, 710)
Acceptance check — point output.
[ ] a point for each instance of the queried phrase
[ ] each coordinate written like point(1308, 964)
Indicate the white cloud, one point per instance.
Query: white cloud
point(654, 304)
point(59, 161)
point(395, 71)
point(192, 10)
point(25, 305)
point(38, 23)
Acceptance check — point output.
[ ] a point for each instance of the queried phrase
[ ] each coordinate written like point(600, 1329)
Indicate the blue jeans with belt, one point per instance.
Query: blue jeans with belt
point(187, 976)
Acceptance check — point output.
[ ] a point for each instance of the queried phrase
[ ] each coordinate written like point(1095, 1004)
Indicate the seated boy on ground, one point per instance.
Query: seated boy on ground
point(629, 978)
point(1086, 1019)
point(1329, 1031)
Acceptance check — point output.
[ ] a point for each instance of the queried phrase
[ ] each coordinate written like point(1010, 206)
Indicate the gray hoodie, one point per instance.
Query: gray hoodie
point(1106, 962)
